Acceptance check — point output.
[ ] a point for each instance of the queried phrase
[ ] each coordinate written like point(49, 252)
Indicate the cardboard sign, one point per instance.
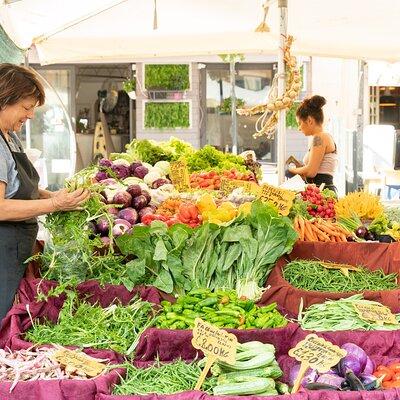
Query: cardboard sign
point(317, 353)
point(228, 185)
point(179, 174)
point(78, 361)
point(344, 268)
point(215, 343)
point(375, 313)
point(282, 199)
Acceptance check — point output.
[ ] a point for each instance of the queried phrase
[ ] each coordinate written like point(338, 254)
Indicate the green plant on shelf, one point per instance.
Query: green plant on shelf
point(164, 115)
point(226, 106)
point(167, 76)
point(291, 121)
point(129, 85)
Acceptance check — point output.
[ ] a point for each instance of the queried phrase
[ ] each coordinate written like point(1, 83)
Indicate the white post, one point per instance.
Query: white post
point(234, 132)
point(28, 121)
point(281, 140)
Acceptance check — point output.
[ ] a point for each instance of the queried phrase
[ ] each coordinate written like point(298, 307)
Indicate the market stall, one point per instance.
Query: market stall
point(173, 239)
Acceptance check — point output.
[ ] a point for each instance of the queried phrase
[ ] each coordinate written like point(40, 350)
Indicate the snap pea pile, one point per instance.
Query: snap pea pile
point(81, 324)
point(312, 275)
point(222, 308)
point(170, 378)
point(340, 315)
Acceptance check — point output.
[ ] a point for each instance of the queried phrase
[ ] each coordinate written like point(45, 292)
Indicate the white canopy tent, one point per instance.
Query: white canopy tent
point(122, 30)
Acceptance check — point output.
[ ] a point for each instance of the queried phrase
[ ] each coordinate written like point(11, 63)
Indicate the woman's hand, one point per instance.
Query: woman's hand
point(67, 201)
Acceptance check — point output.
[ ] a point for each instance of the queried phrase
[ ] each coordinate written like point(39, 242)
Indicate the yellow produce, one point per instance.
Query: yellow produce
point(363, 204)
point(224, 213)
point(245, 208)
point(394, 232)
point(206, 203)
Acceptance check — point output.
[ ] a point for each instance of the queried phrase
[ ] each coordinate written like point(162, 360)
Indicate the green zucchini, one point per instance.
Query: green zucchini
point(260, 360)
point(256, 345)
point(282, 388)
point(271, 392)
point(251, 353)
point(258, 385)
point(272, 371)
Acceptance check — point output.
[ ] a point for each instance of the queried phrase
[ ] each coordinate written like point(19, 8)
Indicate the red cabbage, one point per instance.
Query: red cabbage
point(140, 172)
point(139, 202)
point(355, 360)
point(129, 214)
point(134, 190)
point(133, 166)
point(121, 171)
point(105, 163)
point(122, 197)
point(101, 176)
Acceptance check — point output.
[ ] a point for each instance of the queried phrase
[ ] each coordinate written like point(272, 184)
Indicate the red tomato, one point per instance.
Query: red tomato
point(384, 372)
point(396, 377)
point(391, 384)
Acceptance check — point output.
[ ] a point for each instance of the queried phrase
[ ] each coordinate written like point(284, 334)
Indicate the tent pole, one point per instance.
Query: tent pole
point(281, 140)
point(233, 108)
point(28, 121)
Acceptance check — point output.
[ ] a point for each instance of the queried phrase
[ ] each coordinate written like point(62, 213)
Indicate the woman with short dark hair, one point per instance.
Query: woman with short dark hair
point(21, 201)
point(321, 160)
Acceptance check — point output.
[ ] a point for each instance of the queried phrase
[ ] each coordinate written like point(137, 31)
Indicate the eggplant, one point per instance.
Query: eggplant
point(353, 381)
point(361, 232)
point(320, 386)
point(385, 239)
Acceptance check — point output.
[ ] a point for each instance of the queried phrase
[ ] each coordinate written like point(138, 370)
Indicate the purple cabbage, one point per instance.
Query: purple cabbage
point(139, 202)
point(134, 190)
point(133, 166)
point(101, 176)
point(122, 197)
point(121, 171)
point(355, 360)
point(140, 172)
point(105, 163)
point(129, 214)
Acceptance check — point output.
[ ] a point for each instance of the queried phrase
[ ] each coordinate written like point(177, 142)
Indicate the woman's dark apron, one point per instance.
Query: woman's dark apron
point(17, 238)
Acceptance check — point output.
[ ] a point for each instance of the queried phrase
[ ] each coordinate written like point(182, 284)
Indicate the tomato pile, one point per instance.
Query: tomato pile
point(318, 204)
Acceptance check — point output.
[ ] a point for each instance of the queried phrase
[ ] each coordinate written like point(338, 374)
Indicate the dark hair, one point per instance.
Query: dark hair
point(312, 107)
point(17, 82)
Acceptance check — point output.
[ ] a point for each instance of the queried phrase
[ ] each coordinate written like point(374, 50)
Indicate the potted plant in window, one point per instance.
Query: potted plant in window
point(130, 87)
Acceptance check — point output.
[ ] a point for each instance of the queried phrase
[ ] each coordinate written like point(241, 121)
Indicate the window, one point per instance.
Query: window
point(252, 84)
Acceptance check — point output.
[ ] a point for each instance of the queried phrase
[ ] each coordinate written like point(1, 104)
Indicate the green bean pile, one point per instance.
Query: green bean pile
point(170, 378)
point(339, 315)
point(311, 275)
point(81, 324)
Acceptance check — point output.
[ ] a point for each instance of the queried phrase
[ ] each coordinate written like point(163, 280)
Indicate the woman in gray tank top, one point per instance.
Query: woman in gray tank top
point(321, 160)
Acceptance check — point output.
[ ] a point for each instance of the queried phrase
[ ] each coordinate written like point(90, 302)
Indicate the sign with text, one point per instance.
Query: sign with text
point(179, 174)
point(344, 268)
point(317, 353)
point(79, 362)
point(228, 185)
point(215, 343)
point(282, 199)
point(375, 313)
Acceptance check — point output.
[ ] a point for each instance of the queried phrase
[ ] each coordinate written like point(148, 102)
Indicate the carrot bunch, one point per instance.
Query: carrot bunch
point(319, 230)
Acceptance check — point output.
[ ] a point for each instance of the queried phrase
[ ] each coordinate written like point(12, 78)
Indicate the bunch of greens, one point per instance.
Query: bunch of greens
point(379, 225)
point(174, 377)
point(62, 260)
point(150, 151)
point(209, 158)
point(238, 256)
point(339, 315)
point(81, 324)
point(312, 275)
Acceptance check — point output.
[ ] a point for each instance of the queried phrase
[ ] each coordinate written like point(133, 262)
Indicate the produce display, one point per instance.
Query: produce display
point(389, 375)
point(340, 315)
point(221, 308)
point(254, 372)
point(329, 277)
point(237, 256)
point(116, 327)
point(33, 364)
point(353, 373)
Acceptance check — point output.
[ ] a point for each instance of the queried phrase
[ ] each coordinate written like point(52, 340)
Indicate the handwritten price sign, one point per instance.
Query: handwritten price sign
point(317, 353)
point(216, 344)
point(228, 185)
point(179, 174)
point(282, 199)
point(375, 313)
